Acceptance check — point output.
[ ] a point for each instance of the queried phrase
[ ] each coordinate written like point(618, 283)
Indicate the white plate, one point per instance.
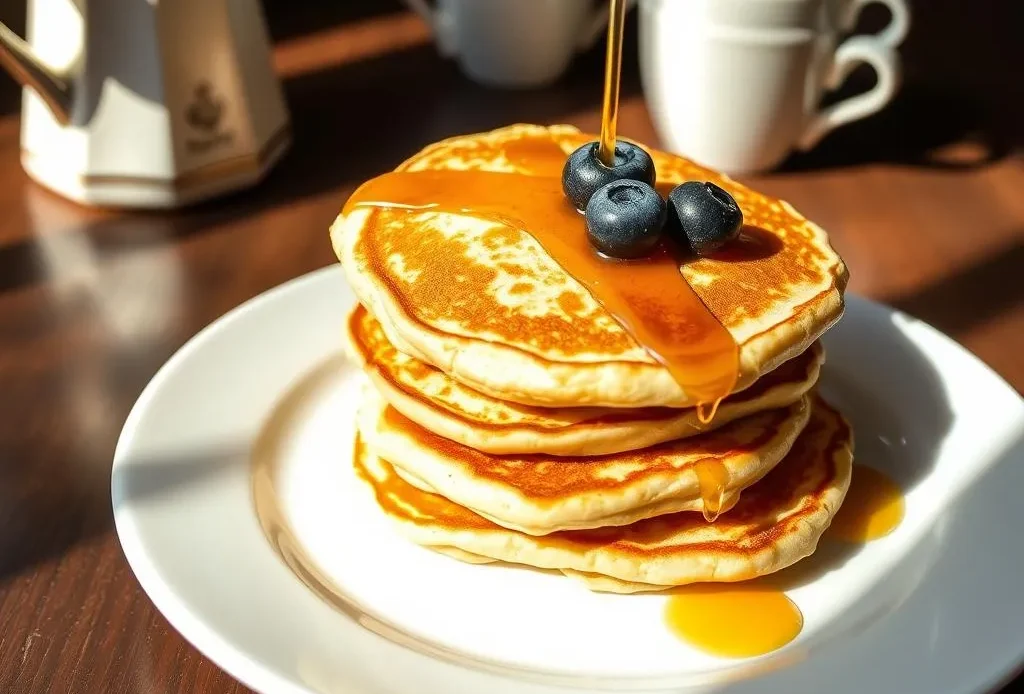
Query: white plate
point(933, 607)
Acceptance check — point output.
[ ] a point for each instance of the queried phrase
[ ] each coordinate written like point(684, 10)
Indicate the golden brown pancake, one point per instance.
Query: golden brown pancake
point(443, 405)
point(540, 494)
point(483, 301)
point(775, 523)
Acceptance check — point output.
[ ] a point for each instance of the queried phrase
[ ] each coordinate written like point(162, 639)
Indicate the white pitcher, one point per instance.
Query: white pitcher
point(146, 103)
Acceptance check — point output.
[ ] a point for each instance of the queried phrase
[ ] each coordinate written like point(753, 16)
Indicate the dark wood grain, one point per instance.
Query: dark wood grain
point(924, 201)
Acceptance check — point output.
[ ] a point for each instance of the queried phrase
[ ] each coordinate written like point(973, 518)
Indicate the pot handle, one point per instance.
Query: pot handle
point(17, 58)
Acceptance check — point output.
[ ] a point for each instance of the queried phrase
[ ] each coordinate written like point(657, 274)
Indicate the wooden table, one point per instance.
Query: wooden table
point(925, 204)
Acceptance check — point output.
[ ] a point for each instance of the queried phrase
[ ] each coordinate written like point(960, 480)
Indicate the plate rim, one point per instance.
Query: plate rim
point(175, 610)
point(236, 661)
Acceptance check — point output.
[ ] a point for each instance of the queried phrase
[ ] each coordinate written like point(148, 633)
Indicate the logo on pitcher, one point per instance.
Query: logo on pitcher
point(204, 115)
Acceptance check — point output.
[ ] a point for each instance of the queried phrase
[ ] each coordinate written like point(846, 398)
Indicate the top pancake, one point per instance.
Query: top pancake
point(486, 304)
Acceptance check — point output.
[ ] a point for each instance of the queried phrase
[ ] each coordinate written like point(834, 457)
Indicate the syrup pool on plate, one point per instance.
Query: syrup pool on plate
point(739, 620)
point(872, 509)
point(733, 620)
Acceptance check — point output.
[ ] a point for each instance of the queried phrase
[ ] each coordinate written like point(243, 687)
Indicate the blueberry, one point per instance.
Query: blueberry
point(584, 172)
point(625, 219)
point(703, 216)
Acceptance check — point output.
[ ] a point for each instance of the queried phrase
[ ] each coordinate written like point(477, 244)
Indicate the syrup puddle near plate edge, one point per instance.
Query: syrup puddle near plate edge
point(873, 507)
point(719, 618)
point(733, 621)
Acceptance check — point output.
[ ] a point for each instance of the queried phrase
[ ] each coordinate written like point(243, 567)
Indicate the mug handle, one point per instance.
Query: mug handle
point(878, 51)
point(598, 24)
point(894, 33)
point(441, 23)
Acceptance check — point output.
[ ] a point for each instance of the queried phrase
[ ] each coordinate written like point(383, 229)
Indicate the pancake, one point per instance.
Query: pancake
point(540, 494)
point(443, 405)
point(775, 523)
point(486, 304)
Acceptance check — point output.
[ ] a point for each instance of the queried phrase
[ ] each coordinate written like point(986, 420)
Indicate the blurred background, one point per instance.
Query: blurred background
point(344, 64)
point(923, 199)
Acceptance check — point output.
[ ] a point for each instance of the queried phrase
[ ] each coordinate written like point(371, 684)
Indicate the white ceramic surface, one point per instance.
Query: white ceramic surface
point(932, 608)
point(166, 103)
point(737, 84)
point(514, 43)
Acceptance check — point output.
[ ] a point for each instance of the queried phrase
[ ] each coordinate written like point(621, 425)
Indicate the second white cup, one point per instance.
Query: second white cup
point(514, 43)
point(737, 84)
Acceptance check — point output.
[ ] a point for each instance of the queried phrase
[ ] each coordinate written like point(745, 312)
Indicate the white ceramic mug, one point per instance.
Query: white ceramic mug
point(737, 84)
point(514, 43)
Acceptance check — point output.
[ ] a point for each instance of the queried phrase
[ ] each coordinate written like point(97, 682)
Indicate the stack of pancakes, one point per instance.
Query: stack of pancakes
point(509, 417)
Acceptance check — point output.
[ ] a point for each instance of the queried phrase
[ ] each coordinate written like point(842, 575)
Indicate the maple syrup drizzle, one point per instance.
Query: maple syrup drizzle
point(713, 478)
point(706, 411)
point(733, 620)
point(612, 75)
point(872, 509)
point(649, 297)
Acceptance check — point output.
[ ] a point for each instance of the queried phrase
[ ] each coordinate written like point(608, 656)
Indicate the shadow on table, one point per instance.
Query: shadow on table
point(47, 515)
point(357, 120)
point(947, 97)
point(290, 19)
point(972, 295)
point(286, 19)
point(49, 507)
point(42, 516)
point(351, 121)
point(922, 127)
